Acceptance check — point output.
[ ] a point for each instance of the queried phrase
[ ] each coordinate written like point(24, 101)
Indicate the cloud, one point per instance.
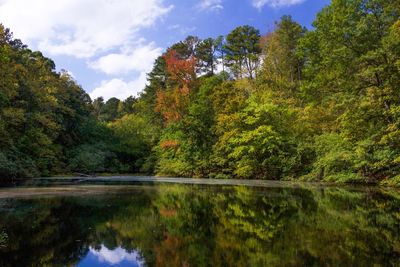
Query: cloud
point(119, 88)
point(116, 256)
point(138, 59)
point(80, 28)
point(275, 3)
point(213, 5)
point(106, 34)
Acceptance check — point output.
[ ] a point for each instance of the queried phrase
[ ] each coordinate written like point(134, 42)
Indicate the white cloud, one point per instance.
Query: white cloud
point(103, 33)
point(139, 59)
point(79, 28)
point(116, 256)
point(213, 5)
point(119, 88)
point(275, 3)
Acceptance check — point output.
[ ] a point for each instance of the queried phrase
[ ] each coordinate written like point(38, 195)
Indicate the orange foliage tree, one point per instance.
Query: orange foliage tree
point(172, 103)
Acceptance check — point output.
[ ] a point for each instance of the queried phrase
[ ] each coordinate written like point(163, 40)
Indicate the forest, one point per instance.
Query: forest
point(318, 104)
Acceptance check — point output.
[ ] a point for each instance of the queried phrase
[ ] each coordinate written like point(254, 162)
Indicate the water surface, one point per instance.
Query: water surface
point(199, 225)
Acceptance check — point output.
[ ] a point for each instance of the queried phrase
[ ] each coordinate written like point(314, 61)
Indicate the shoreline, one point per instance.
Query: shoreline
point(137, 179)
point(86, 186)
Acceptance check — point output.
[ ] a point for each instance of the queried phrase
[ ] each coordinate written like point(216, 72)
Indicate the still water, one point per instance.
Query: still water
point(194, 225)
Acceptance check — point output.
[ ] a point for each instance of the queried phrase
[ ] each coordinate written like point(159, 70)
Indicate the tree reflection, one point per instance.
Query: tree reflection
point(206, 226)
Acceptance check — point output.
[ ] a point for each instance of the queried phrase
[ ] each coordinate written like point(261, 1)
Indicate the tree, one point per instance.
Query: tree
point(173, 102)
point(127, 106)
point(243, 51)
point(207, 55)
point(109, 111)
point(98, 105)
point(282, 66)
point(187, 49)
point(350, 72)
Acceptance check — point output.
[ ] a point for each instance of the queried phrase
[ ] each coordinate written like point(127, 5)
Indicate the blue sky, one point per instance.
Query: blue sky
point(108, 46)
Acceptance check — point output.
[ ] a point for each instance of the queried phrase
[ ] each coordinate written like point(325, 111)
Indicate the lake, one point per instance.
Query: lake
point(199, 225)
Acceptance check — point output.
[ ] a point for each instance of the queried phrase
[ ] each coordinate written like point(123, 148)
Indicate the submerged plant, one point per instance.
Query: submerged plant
point(3, 239)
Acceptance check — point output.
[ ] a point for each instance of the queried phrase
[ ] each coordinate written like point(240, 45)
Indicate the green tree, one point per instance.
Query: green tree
point(282, 66)
point(207, 54)
point(243, 51)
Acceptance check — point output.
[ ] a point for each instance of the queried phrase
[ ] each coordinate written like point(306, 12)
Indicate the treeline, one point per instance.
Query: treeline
point(49, 125)
point(320, 104)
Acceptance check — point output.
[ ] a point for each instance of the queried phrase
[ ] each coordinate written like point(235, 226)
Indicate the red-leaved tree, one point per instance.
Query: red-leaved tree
point(173, 102)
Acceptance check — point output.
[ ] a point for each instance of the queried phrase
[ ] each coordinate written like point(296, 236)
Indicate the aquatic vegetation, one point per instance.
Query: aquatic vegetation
point(3, 239)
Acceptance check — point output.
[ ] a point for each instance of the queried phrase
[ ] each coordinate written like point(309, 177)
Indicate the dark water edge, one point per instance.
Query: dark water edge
point(164, 224)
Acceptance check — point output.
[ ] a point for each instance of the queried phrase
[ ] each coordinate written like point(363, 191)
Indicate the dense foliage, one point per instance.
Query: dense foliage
point(320, 104)
point(49, 125)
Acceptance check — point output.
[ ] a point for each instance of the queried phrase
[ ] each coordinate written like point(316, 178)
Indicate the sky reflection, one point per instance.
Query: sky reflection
point(118, 257)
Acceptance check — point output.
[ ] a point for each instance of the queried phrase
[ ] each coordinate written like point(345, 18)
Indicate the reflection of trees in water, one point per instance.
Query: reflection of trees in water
point(55, 231)
point(193, 226)
point(3, 239)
